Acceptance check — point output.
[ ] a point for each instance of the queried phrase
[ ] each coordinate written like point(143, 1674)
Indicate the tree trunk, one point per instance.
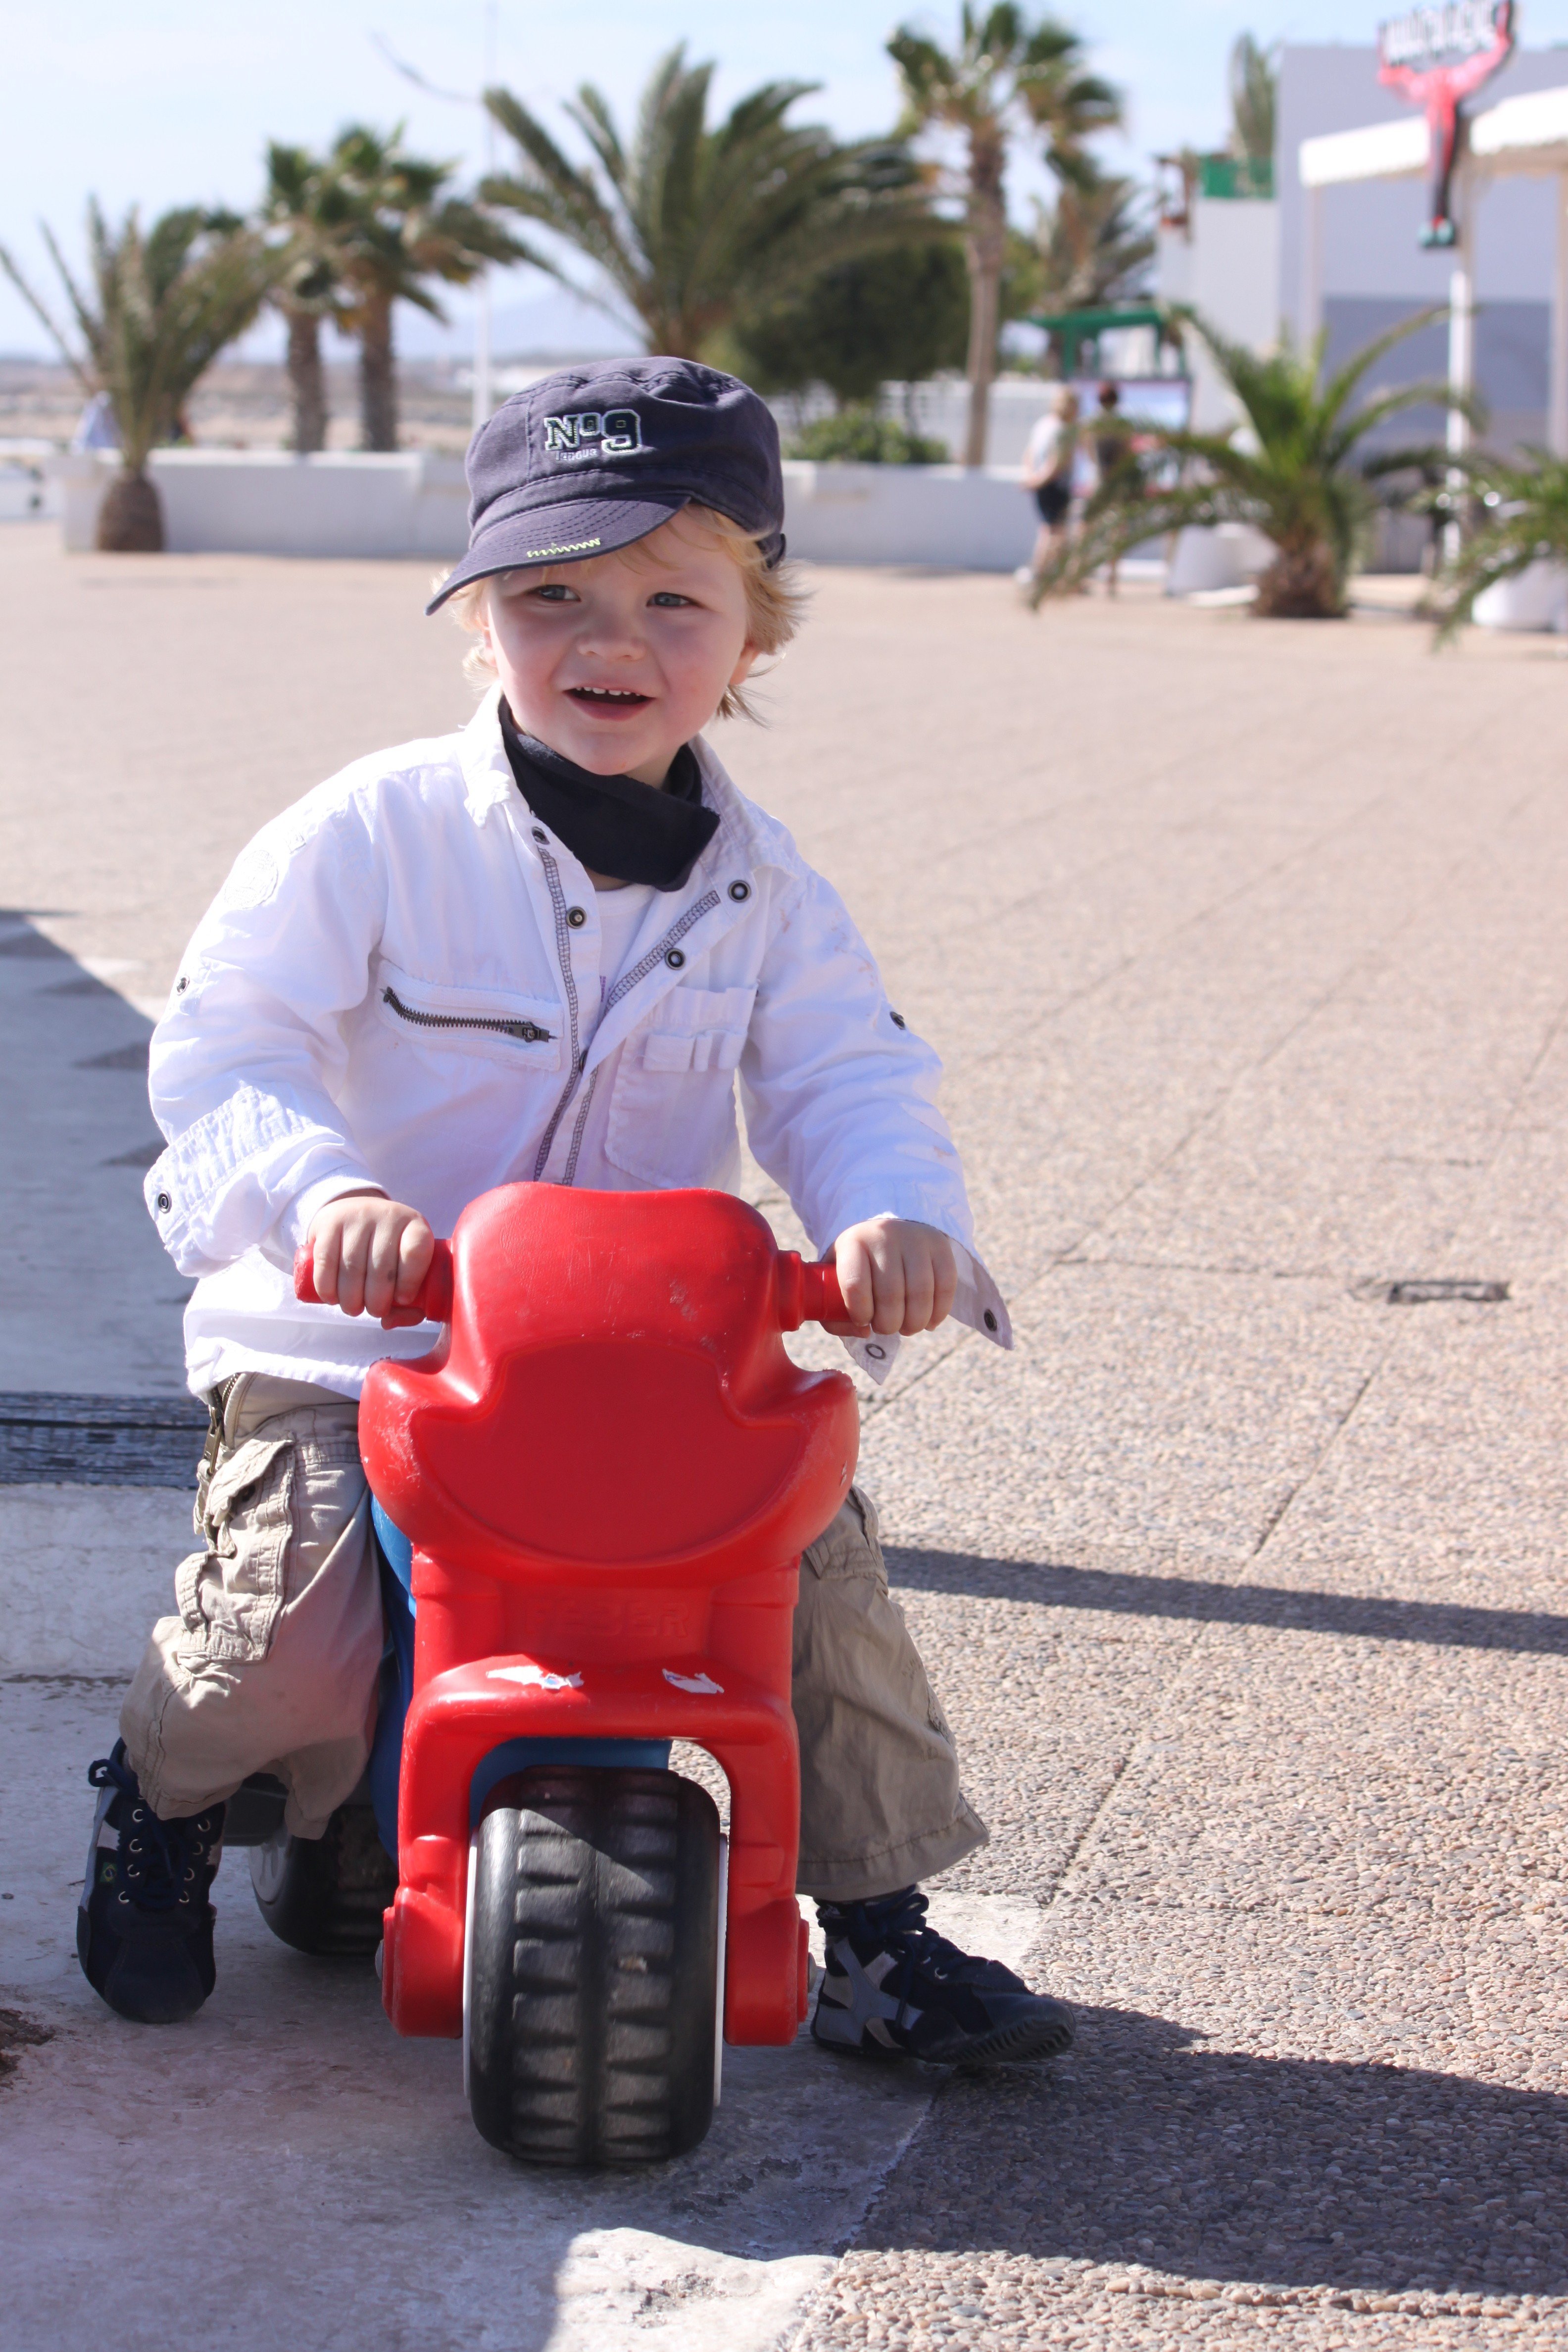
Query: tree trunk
point(307, 382)
point(984, 300)
point(377, 376)
point(986, 250)
point(1302, 584)
point(131, 520)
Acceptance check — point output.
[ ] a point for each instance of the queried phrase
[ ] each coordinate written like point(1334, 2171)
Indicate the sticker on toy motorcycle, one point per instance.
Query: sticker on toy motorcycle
point(699, 1683)
point(533, 1677)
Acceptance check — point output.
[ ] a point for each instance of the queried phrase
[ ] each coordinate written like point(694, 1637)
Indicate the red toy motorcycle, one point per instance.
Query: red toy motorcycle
point(596, 1487)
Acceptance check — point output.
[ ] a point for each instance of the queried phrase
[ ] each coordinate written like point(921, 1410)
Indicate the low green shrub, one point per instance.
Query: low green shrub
point(859, 437)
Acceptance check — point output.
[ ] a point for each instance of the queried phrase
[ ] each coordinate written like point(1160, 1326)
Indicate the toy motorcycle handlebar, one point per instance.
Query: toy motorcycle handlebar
point(804, 1292)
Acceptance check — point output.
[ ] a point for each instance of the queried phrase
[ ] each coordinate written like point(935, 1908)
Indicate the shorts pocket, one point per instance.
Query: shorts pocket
point(229, 1595)
point(850, 1546)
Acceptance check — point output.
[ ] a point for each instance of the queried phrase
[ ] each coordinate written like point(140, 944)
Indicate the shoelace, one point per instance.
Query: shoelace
point(898, 1925)
point(160, 1860)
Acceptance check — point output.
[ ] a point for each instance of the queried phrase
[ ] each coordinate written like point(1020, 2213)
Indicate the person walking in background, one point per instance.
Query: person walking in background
point(1049, 459)
point(1112, 454)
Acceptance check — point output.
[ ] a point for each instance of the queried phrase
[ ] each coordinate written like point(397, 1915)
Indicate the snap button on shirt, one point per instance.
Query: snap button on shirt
point(576, 917)
point(675, 958)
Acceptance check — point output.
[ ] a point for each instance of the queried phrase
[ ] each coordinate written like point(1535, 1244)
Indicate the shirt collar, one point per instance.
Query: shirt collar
point(489, 783)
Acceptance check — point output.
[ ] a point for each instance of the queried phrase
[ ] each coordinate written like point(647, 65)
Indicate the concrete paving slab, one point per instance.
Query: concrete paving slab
point(84, 1571)
point(1452, 1467)
point(1143, 1409)
point(1326, 1803)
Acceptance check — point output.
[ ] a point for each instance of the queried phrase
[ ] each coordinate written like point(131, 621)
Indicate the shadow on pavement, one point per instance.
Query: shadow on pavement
point(1527, 1632)
point(1140, 2148)
point(93, 1305)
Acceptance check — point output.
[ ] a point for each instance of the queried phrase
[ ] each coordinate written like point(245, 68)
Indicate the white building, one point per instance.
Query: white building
point(1361, 266)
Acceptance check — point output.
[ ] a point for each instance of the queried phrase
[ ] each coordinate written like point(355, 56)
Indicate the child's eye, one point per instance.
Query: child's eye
point(667, 596)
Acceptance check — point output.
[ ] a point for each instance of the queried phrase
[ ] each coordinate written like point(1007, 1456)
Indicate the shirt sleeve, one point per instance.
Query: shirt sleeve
point(839, 1095)
point(242, 1066)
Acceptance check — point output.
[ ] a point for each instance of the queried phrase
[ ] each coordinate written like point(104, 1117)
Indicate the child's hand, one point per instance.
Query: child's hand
point(896, 1276)
point(370, 1254)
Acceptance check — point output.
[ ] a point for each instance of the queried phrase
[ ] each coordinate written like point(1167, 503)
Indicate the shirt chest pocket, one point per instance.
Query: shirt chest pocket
point(672, 1114)
point(470, 1022)
point(696, 1030)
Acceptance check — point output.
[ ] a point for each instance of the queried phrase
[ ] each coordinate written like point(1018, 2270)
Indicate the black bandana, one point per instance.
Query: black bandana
point(628, 830)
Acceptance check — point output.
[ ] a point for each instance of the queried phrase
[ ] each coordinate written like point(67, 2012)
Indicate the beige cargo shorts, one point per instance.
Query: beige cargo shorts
point(272, 1661)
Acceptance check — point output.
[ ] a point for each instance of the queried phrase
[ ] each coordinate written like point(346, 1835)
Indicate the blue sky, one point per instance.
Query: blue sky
point(172, 100)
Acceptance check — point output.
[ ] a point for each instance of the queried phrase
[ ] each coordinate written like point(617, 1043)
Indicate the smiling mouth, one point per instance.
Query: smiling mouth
point(608, 697)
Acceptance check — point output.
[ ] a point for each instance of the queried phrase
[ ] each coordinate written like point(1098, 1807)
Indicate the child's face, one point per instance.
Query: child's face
point(619, 661)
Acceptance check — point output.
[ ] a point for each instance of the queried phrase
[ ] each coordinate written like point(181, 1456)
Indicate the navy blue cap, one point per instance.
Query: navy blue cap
point(593, 458)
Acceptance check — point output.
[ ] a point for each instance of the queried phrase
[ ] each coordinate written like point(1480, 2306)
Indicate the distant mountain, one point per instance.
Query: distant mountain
point(551, 323)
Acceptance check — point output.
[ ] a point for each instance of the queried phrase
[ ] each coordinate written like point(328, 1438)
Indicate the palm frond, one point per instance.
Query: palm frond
point(1527, 522)
point(83, 371)
point(689, 220)
point(159, 310)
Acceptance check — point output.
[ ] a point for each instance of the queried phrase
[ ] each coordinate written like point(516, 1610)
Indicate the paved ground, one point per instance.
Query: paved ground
point(1244, 946)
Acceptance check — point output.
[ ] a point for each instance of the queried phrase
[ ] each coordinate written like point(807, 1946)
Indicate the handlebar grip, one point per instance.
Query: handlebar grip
point(808, 1293)
point(431, 1304)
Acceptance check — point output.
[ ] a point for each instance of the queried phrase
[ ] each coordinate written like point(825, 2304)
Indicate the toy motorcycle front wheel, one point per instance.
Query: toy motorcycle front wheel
point(592, 1968)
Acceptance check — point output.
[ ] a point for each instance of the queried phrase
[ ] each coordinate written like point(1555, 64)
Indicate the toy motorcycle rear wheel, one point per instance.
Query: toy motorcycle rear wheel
point(591, 1965)
point(326, 1894)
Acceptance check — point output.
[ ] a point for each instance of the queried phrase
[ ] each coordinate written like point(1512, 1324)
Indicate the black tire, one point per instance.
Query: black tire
point(326, 1894)
point(593, 1966)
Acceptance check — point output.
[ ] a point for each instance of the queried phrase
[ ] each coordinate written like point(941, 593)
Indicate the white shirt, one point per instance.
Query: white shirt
point(622, 914)
point(1045, 455)
point(408, 981)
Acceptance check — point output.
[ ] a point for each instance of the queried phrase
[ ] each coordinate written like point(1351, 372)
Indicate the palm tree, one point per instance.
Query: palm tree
point(1254, 93)
point(400, 231)
point(691, 224)
point(1003, 76)
point(307, 206)
point(1291, 469)
point(1526, 521)
point(1095, 243)
point(156, 311)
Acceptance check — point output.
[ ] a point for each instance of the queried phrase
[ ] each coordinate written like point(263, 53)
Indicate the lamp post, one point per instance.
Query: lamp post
point(1461, 344)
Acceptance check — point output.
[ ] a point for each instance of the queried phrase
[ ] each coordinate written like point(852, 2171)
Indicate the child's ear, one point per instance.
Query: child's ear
point(747, 663)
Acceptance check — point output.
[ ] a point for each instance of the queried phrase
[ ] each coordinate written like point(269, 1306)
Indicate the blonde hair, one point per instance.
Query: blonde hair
point(775, 603)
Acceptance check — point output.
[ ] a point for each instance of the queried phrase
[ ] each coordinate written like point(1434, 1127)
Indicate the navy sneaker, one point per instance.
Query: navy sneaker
point(145, 1927)
point(893, 1988)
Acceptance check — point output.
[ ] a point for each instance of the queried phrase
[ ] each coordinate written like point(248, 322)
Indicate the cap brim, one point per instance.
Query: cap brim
point(563, 534)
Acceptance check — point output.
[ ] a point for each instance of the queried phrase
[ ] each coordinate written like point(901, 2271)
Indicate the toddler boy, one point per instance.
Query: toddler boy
point(543, 948)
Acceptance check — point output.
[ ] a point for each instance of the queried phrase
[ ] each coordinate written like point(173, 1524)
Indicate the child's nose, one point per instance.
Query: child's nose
point(617, 639)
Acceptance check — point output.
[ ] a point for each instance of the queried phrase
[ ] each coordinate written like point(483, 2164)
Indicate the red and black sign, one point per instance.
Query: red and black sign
point(1436, 57)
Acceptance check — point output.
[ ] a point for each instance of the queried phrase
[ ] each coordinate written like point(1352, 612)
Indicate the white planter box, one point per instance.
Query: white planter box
point(269, 502)
point(981, 521)
point(266, 502)
point(1228, 556)
point(1537, 599)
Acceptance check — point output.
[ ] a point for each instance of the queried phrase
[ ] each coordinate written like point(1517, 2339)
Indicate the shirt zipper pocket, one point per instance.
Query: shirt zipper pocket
point(528, 1032)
